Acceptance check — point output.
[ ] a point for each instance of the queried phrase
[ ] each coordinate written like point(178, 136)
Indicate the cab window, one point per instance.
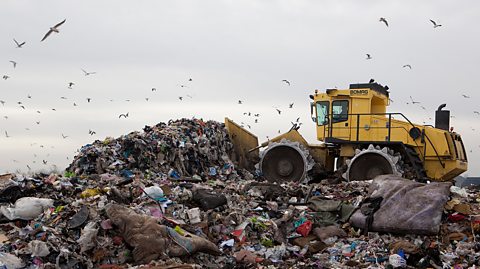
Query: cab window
point(322, 113)
point(339, 111)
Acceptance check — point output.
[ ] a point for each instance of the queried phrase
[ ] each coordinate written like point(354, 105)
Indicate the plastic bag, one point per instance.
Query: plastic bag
point(26, 208)
point(10, 261)
point(87, 239)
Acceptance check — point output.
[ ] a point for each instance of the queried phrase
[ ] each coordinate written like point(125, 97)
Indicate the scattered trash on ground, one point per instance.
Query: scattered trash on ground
point(169, 197)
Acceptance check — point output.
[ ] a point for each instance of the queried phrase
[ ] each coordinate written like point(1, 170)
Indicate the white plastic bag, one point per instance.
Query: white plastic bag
point(88, 237)
point(10, 261)
point(38, 248)
point(26, 208)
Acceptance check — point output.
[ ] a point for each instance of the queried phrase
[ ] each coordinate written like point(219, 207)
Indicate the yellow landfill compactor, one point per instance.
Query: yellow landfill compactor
point(360, 141)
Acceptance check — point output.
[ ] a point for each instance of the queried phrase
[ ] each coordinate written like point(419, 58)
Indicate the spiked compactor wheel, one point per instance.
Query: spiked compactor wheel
point(285, 161)
point(371, 162)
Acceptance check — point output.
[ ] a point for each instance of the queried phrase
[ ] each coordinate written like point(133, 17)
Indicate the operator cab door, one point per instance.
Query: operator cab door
point(340, 120)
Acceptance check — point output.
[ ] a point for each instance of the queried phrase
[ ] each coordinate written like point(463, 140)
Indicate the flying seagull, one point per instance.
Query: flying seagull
point(180, 98)
point(70, 84)
point(53, 29)
point(286, 82)
point(123, 115)
point(5, 77)
point(414, 102)
point(6, 134)
point(476, 112)
point(371, 80)
point(88, 73)
point(14, 64)
point(279, 111)
point(240, 102)
point(2, 102)
point(91, 132)
point(407, 65)
point(19, 45)
point(290, 105)
point(89, 99)
point(384, 21)
point(369, 56)
point(154, 89)
point(435, 25)
point(64, 136)
point(465, 96)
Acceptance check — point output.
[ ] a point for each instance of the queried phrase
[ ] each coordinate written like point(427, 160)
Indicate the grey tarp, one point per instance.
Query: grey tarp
point(407, 206)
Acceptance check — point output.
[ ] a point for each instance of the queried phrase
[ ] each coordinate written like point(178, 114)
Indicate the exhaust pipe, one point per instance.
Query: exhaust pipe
point(442, 118)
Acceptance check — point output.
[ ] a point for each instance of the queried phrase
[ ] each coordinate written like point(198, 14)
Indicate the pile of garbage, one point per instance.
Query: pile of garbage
point(169, 197)
point(183, 147)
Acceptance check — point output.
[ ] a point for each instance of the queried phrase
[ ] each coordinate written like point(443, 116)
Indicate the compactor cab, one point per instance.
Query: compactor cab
point(355, 122)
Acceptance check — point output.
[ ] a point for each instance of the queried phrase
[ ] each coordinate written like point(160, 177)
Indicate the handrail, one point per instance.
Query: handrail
point(330, 125)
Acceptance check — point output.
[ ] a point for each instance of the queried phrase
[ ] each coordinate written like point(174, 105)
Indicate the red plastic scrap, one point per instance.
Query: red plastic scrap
point(305, 228)
point(456, 217)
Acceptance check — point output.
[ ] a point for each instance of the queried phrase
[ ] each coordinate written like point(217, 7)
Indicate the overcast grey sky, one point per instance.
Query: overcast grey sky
point(232, 50)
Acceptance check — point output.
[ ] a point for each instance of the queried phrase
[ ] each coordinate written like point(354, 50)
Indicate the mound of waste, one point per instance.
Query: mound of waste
point(184, 147)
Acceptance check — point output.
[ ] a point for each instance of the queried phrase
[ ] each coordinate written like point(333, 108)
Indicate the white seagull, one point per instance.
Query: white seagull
point(53, 29)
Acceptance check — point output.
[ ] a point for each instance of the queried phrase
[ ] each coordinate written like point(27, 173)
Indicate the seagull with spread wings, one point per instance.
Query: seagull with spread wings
point(286, 82)
point(53, 29)
point(435, 25)
point(88, 73)
point(19, 45)
point(384, 21)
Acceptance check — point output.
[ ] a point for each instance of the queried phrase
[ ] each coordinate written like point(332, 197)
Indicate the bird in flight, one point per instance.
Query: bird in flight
point(407, 65)
point(414, 102)
point(369, 57)
point(6, 134)
point(89, 99)
point(123, 115)
point(19, 45)
point(476, 112)
point(465, 96)
point(53, 29)
point(64, 136)
point(5, 77)
point(14, 64)
point(279, 111)
point(91, 132)
point(154, 89)
point(435, 25)
point(290, 105)
point(88, 73)
point(44, 162)
point(240, 102)
point(384, 21)
point(2, 102)
point(286, 82)
point(70, 84)
point(180, 98)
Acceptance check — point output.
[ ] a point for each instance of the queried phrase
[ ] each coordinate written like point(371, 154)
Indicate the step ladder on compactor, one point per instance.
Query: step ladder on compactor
point(360, 138)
